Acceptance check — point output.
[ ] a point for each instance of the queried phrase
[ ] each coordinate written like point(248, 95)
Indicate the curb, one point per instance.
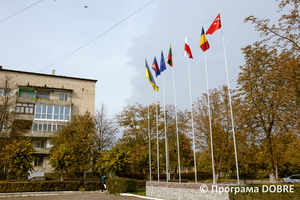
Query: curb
point(143, 197)
point(52, 193)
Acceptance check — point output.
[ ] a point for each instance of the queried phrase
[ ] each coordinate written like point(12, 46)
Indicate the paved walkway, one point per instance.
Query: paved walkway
point(66, 196)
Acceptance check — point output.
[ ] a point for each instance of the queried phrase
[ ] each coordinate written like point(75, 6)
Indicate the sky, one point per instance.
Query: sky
point(109, 41)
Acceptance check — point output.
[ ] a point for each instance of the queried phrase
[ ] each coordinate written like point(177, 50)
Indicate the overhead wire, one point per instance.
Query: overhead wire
point(97, 36)
point(20, 11)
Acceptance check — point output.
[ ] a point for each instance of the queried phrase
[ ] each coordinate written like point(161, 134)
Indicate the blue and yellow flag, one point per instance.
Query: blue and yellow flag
point(150, 77)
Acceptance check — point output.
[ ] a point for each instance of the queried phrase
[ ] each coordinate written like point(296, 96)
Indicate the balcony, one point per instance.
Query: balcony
point(26, 100)
point(42, 151)
point(40, 134)
point(24, 117)
point(44, 101)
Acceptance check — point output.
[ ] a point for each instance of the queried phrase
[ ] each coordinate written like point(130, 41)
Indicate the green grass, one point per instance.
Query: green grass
point(141, 192)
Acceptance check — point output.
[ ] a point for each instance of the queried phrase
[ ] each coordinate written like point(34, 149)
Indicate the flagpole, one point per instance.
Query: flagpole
point(210, 128)
point(149, 135)
point(176, 126)
point(166, 137)
point(192, 117)
point(157, 140)
point(232, 122)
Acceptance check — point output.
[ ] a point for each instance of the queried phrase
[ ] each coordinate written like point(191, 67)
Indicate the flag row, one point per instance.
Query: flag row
point(204, 45)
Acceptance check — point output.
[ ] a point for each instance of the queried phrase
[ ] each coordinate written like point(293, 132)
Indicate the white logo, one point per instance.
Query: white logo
point(203, 188)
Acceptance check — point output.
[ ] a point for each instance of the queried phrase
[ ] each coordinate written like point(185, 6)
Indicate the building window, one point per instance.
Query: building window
point(44, 126)
point(54, 113)
point(63, 97)
point(38, 161)
point(2, 92)
point(26, 93)
point(43, 95)
point(39, 144)
point(24, 108)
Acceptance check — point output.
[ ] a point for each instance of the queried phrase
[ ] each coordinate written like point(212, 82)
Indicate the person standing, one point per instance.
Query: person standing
point(103, 181)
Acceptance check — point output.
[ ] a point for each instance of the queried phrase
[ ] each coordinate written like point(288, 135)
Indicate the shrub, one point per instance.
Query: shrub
point(120, 185)
point(37, 186)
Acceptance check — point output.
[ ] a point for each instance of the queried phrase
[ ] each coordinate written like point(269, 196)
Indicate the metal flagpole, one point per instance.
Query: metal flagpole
point(149, 135)
point(210, 129)
point(157, 140)
point(192, 120)
point(166, 137)
point(176, 126)
point(232, 122)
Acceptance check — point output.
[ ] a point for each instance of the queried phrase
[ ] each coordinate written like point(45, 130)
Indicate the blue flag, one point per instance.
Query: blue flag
point(155, 67)
point(162, 63)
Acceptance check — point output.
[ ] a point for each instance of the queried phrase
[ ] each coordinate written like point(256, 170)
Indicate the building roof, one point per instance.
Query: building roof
point(58, 76)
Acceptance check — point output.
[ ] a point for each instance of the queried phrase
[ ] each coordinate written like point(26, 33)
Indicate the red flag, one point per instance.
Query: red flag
point(215, 25)
point(187, 50)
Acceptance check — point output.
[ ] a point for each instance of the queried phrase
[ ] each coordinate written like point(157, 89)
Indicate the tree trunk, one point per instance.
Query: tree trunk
point(217, 176)
point(175, 171)
point(62, 176)
point(271, 172)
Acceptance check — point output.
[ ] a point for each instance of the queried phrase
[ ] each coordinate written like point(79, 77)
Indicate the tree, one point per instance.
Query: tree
point(134, 121)
point(6, 104)
point(62, 159)
point(79, 135)
point(286, 33)
point(270, 86)
point(17, 158)
point(185, 141)
point(116, 161)
point(263, 102)
point(223, 147)
point(106, 129)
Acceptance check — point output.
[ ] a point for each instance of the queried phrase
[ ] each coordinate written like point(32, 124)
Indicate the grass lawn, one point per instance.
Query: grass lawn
point(141, 192)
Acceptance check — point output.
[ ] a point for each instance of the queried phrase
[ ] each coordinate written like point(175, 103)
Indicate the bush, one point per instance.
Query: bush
point(265, 195)
point(37, 186)
point(120, 185)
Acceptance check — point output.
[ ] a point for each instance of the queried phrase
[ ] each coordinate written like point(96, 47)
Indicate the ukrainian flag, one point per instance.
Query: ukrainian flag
point(150, 77)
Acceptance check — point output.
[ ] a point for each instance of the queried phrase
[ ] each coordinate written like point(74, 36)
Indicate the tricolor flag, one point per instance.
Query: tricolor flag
point(215, 25)
point(170, 61)
point(150, 77)
point(155, 67)
point(187, 50)
point(162, 63)
point(203, 41)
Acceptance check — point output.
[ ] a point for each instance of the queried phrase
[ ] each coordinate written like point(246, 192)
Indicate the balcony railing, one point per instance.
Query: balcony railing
point(44, 101)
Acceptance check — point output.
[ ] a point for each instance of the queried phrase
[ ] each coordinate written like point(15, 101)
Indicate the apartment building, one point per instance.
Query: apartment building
point(47, 101)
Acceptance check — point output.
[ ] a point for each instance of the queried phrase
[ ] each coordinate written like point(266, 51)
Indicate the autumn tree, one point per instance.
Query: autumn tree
point(271, 79)
point(17, 158)
point(134, 121)
point(116, 161)
point(62, 158)
point(185, 141)
point(79, 135)
point(222, 138)
point(285, 34)
point(261, 90)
